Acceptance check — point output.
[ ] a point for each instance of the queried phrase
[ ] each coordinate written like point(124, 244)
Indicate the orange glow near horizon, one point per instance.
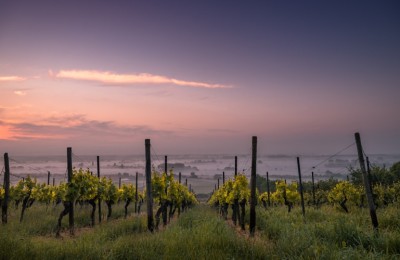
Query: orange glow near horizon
point(5, 133)
point(9, 133)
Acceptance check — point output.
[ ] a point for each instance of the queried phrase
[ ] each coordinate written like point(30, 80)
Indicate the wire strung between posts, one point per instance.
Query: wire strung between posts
point(330, 157)
point(16, 176)
point(77, 158)
point(37, 169)
point(362, 148)
point(245, 168)
point(157, 159)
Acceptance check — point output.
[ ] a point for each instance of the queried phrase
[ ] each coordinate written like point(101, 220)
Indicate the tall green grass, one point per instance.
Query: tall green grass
point(329, 234)
point(201, 234)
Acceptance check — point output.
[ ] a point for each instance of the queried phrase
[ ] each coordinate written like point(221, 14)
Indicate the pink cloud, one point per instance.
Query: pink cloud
point(20, 92)
point(11, 78)
point(142, 78)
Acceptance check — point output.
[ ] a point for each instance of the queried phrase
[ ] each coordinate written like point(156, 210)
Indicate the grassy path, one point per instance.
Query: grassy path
point(197, 234)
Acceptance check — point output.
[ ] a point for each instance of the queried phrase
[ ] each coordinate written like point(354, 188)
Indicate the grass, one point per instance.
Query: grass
point(197, 234)
point(330, 234)
point(201, 234)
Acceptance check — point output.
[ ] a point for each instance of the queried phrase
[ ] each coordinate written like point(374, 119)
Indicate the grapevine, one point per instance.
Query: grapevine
point(169, 193)
point(232, 191)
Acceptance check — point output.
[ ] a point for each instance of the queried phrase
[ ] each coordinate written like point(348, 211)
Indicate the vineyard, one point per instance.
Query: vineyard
point(325, 219)
point(84, 188)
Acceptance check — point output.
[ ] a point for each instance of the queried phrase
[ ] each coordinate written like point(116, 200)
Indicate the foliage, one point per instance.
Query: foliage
point(108, 191)
point(2, 193)
point(324, 185)
point(166, 188)
point(261, 183)
point(231, 190)
point(23, 189)
point(345, 191)
point(379, 175)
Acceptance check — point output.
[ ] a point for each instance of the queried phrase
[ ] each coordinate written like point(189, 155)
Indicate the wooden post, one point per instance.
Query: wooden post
point(253, 199)
point(4, 207)
point(235, 166)
point(301, 188)
point(180, 177)
point(150, 221)
point(218, 183)
point(71, 208)
point(268, 191)
point(190, 187)
point(235, 206)
point(313, 187)
point(48, 177)
point(119, 183)
point(223, 178)
point(372, 210)
point(136, 194)
point(98, 176)
point(186, 182)
point(166, 165)
point(369, 176)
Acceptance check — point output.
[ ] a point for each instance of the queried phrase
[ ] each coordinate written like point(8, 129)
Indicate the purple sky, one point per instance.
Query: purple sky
point(199, 77)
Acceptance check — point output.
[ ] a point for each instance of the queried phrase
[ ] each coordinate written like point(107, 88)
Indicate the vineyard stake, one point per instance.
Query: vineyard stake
point(98, 176)
point(180, 179)
point(166, 165)
point(372, 210)
point(235, 207)
point(235, 166)
point(301, 189)
point(369, 174)
point(150, 221)
point(164, 204)
point(119, 183)
point(223, 178)
point(218, 183)
point(268, 191)
point(313, 186)
point(48, 177)
point(136, 194)
point(71, 209)
point(253, 200)
point(6, 184)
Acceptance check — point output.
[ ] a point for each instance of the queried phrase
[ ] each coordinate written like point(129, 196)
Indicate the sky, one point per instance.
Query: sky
point(199, 77)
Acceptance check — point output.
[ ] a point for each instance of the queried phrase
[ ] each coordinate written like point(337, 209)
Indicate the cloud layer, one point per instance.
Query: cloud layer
point(142, 78)
point(72, 126)
point(20, 92)
point(11, 78)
